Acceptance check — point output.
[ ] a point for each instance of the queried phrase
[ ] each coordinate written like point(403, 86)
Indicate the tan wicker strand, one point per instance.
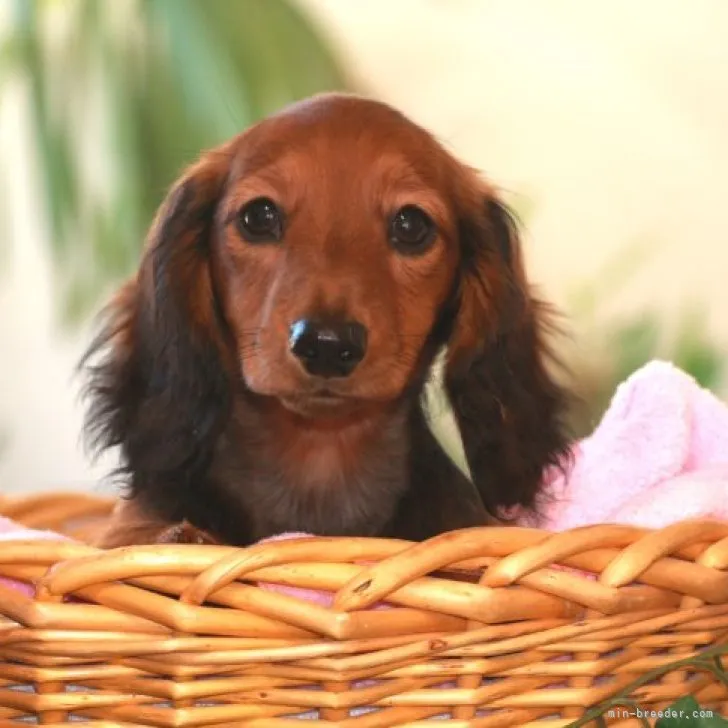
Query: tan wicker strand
point(55, 511)
point(87, 724)
point(639, 555)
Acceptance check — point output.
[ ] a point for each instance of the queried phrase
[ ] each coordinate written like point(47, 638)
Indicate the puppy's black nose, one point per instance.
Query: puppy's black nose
point(328, 349)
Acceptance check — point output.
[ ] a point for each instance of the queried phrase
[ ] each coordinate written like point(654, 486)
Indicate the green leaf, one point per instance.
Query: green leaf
point(634, 344)
point(694, 353)
point(53, 146)
point(9, 52)
point(687, 713)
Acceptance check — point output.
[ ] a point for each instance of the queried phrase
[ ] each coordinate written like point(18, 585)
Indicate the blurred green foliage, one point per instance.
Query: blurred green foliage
point(163, 79)
point(633, 343)
point(618, 347)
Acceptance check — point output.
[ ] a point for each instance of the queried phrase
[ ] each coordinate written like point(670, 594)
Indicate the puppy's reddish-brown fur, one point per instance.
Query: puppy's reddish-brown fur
point(222, 429)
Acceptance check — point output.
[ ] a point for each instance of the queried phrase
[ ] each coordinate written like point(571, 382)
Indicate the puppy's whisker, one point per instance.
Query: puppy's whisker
point(248, 352)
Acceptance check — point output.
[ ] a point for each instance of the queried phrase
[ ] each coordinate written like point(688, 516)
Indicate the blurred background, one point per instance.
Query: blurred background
point(605, 123)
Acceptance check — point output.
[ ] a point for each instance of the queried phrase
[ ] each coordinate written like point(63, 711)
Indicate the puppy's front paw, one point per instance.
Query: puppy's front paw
point(185, 532)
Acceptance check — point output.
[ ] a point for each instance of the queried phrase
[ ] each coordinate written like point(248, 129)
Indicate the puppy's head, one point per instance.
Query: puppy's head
point(336, 248)
point(319, 261)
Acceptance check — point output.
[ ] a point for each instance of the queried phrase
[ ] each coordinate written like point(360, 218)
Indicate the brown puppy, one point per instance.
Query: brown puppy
point(264, 370)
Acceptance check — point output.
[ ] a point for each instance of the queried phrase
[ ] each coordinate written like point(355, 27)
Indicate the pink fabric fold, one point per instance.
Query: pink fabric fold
point(659, 455)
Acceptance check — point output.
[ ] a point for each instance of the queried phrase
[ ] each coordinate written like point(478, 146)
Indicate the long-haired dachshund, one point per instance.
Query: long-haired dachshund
point(264, 370)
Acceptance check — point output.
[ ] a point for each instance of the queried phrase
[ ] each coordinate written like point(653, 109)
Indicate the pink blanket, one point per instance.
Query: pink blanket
point(660, 454)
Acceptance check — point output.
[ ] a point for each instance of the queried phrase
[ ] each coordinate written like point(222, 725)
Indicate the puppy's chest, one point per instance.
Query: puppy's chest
point(325, 484)
point(315, 463)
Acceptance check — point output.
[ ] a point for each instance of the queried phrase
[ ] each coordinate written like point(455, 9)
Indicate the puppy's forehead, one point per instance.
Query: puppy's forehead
point(340, 130)
point(339, 107)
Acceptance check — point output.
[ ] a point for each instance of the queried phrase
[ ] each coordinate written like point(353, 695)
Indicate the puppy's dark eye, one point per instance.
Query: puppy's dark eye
point(411, 231)
point(261, 221)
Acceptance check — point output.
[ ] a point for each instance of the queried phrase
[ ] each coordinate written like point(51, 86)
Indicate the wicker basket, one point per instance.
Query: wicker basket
point(485, 627)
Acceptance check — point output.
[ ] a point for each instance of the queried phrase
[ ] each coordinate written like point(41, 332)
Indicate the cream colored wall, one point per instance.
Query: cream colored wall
point(611, 114)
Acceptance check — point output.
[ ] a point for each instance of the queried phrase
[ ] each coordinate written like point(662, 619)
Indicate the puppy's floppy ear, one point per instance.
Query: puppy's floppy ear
point(159, 383)
point(506, 401)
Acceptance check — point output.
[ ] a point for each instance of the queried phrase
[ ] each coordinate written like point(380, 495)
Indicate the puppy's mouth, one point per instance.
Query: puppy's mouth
point(320, 402)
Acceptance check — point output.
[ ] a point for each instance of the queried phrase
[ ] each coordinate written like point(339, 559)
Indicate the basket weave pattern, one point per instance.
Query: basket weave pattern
point(483, 627)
